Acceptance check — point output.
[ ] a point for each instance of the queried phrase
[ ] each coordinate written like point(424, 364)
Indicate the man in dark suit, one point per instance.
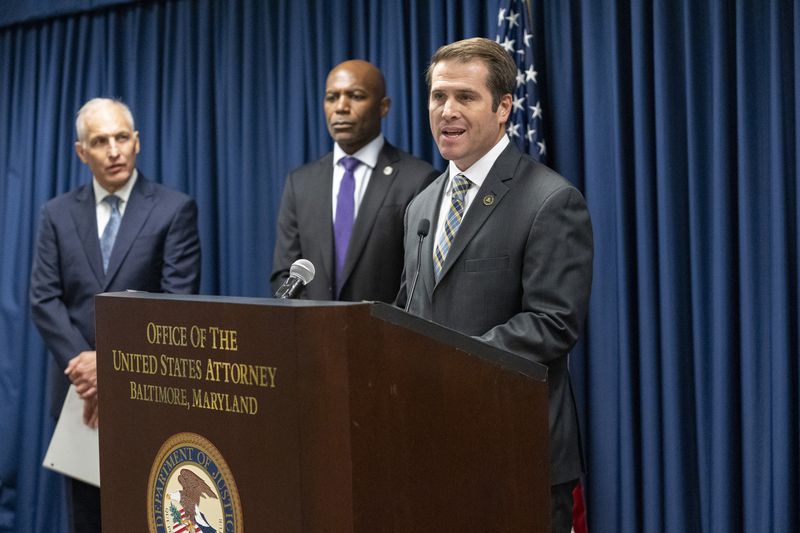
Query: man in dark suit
point(344, 212)
point(510, 258)
point(120, 232)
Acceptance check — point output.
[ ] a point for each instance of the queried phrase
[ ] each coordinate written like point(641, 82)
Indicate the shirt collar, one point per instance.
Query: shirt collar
point(480, 169)
point(124, 192)
point(368, 155)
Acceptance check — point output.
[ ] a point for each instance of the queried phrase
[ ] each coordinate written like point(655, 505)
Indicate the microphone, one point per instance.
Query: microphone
point(422, 230)
point(300, 274)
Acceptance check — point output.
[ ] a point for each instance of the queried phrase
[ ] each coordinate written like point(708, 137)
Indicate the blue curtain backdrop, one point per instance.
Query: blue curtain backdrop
point(677, 119)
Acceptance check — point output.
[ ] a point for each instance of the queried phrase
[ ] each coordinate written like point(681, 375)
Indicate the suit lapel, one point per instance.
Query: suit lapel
point(320, 224)
point(84, 215)
point(431, 207)
point(489, 196)
point(140, 204)
point(379, 183)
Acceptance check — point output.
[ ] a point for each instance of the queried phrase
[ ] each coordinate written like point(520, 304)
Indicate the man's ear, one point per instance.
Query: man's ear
point(79, 151)
point(386, 103)
point(504, 108)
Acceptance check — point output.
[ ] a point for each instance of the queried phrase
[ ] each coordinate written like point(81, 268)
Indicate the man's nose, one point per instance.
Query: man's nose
point(113, 149)
point(343, 104)
point(450, 109)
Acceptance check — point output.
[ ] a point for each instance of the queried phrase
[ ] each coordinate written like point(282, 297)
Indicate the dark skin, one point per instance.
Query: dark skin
point(355, 102)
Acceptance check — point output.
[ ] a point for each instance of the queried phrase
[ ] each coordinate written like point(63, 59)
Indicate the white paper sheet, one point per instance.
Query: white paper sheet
point(74, 449)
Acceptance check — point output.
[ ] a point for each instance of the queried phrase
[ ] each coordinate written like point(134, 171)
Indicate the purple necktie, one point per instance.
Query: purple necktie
point(343, 222)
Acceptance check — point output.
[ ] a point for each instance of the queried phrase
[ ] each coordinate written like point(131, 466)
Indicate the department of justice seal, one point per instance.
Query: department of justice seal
point(191, 489)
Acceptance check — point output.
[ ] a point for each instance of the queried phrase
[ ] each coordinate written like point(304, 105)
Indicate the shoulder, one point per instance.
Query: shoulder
point(430, 193)
point(406, 161)
point(313, 168)
point(538, 179)
point(65, 201)
point(163, 194)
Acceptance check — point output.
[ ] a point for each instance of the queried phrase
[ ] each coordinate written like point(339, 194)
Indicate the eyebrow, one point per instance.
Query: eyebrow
point(107, 135)
point(348, 90)
point(457, 90)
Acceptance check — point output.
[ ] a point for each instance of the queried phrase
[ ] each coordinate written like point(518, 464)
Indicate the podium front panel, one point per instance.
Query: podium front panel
point(216, 384)
point(238, 414)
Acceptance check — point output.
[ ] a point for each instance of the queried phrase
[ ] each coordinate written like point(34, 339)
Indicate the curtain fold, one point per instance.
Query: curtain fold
point(678, 120)
point(689, 146)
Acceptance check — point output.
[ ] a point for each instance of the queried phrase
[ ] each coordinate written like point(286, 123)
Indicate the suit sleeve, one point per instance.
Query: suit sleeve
point(49, 311)
point(287, 239)
point(556, 281)
point(181, 268)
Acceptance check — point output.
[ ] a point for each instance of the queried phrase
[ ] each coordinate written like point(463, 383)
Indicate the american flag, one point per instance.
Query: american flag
point(184, 525)
point(515, 34)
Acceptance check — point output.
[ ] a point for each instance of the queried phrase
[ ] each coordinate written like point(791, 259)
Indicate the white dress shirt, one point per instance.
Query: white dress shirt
point(102, 209)
point(476, 174)
point(368, 156)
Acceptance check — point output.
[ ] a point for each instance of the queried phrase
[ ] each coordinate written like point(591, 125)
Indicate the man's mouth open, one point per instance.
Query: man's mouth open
point(452, 133)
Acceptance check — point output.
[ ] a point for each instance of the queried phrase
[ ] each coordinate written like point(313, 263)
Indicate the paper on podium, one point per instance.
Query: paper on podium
point(74, 449)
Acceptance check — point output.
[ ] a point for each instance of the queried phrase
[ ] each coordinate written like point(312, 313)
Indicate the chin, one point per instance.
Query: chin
point(450, 154)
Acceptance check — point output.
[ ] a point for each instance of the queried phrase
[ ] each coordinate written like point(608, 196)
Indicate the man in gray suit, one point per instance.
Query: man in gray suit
point(121, 231)
point(510, 258)
point(344, 212)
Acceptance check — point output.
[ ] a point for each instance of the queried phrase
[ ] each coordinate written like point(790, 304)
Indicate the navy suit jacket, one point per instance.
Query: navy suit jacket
point(157, 249)
point(518, 276)
point(374, 258)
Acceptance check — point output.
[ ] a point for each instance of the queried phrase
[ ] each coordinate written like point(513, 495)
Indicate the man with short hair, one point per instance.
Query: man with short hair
point(119, 232)
point(344, 212)
point(510, 258)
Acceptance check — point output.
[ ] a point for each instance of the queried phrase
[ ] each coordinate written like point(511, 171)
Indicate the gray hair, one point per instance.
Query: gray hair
point(91, 106)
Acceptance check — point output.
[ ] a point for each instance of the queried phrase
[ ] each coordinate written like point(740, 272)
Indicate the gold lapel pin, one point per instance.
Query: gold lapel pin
point(387, 170)
point(488, 199)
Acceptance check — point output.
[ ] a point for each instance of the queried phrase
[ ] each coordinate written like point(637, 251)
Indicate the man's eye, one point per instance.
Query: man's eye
point(98, 142)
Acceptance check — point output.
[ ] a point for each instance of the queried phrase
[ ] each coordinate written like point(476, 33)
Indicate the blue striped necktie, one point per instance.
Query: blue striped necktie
point(454, 215)
point(110, 232)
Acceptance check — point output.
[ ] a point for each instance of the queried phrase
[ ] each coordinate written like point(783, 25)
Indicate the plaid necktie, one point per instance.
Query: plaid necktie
point(343, 222)
point(460, 186)
point(110, 232)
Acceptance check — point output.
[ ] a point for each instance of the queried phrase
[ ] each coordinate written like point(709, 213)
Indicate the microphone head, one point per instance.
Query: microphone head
point(303, 269)
point(424, 227)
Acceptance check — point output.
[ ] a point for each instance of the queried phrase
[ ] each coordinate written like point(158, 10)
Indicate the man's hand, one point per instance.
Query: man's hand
point(90, 412)
point(82, 372)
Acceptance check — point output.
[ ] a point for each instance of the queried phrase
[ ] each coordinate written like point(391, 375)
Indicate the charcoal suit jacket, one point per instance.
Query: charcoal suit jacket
point(518, 276)
point(374, 259)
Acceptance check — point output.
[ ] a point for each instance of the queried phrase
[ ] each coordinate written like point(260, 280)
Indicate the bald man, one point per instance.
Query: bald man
point(344, 212)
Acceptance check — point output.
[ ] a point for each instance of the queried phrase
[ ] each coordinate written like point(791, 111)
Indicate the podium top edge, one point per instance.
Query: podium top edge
point(250, 300)
point(473, 345)
point(383, 311)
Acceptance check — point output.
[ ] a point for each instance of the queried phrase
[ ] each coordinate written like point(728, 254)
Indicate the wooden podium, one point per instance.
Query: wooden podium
point(241, 414)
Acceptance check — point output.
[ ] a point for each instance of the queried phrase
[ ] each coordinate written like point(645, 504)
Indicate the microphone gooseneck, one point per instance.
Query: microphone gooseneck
point(422, 230)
